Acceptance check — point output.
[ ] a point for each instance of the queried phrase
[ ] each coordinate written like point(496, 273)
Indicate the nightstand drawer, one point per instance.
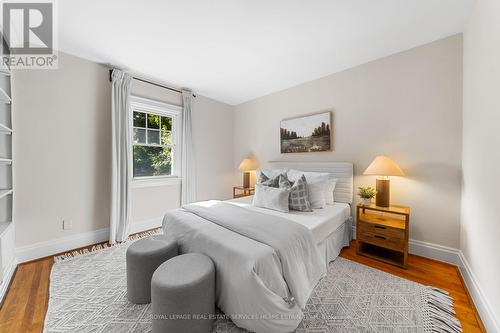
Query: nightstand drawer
point(382, 233)
point(388, 242)
point(381, 230)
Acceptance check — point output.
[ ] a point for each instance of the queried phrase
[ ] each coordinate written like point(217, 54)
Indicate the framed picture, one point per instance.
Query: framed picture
point(304, 134)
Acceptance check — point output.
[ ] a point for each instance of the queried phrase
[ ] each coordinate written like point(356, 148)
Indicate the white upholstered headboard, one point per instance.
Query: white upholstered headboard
point(342, 170)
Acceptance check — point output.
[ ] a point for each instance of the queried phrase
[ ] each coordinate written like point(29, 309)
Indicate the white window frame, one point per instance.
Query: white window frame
point(141, 104)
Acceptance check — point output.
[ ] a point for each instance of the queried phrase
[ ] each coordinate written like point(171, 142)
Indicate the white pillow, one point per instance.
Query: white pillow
point(329, 184)
point(318, 185)
point(329, 188)
point(271, 198)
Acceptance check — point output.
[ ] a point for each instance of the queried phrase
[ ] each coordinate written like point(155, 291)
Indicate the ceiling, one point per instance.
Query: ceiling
point(237, 50)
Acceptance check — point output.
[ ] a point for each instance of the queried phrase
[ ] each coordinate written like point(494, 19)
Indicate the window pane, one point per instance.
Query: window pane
point(166, 137)
point(139, 119)
point(152, 161)
point(139, 135)
point(166, 123)
point(153, 121)
point(153, 137)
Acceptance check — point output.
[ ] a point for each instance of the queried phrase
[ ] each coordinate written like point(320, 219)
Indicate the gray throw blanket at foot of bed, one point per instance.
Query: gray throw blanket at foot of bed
point(301, 262)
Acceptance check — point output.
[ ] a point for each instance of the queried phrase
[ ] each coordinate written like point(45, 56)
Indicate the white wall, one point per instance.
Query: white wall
point(62, 151)
point(407, 106)
point(480, 227)
point(213, 147)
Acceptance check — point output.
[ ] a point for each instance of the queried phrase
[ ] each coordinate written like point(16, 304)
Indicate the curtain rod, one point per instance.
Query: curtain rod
point(153, 83)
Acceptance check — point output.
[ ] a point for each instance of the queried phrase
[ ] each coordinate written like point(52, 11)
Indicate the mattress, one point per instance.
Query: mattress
point(321, 222)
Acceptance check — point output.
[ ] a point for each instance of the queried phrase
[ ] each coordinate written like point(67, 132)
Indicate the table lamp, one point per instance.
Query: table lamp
point(383, 167)
point(246, 166)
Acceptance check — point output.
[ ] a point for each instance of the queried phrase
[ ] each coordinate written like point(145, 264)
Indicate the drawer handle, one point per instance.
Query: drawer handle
point(380, 227)
point(376, 236)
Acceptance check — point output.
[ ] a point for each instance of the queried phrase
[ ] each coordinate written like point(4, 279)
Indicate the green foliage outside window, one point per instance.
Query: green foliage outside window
point(152, 152)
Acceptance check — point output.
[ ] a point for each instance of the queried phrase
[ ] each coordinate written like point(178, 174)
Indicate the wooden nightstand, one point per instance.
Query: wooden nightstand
point(382, 233)
point(245, 191)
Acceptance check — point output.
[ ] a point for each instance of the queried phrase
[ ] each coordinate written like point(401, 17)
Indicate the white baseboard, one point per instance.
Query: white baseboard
point(51, 247)
point(483, 306)
point(54, 246)
point(136, 227)
point(434, 251)
point(8, 274)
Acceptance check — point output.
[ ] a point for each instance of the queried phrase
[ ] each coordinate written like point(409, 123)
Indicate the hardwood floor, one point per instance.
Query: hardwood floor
point(25, 304)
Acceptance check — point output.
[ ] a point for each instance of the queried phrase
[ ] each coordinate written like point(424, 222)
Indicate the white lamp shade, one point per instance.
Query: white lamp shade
point(248, 165)
point(383, 166)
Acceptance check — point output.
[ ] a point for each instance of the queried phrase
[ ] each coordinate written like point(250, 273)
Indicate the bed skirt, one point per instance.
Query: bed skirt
point(332, 245)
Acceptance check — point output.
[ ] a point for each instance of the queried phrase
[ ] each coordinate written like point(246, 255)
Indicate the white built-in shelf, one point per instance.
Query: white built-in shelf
point(5, 129)
point(4, 97)
point(4, 193)
point(7, 237)
point(4, 226)
point(4, 70)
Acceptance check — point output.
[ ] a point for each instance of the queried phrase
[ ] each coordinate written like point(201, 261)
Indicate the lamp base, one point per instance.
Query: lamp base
point(246, 179)
point(383, 196)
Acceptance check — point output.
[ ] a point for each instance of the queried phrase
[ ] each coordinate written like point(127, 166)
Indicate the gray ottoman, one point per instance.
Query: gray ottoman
point(183, 295)
point(143, 258)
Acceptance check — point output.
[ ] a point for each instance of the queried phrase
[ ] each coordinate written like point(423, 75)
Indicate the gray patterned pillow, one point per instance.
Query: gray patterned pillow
point(266, 181)
point(262, 178)
point(299, 196)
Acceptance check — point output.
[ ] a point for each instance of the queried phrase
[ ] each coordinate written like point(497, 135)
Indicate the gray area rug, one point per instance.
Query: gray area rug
point(88, 294)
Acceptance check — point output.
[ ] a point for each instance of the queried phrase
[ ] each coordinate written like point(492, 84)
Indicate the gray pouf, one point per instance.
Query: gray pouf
point(143, 258)
point(183, 295)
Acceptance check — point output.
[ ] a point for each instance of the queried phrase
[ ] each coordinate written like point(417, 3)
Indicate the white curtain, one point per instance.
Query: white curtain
point(121, 162)
point(188, 185)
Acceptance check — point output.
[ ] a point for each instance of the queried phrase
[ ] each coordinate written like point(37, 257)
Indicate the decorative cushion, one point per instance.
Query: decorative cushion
point(271, 173)
point(316, 189)
point(299, 197)
point(319, 186)
point(262, 178)
point(329, 188)
point(271, 198)
point(316, 185)
point(272, 182)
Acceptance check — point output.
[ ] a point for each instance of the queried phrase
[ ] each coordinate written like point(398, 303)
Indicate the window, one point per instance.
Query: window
point(154, 138)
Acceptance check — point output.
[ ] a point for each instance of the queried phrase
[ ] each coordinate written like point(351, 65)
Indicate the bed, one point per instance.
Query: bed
point(267, 262)
point(331, 227)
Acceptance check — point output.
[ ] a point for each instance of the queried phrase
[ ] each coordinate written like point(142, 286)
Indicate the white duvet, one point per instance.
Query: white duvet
point(263, 262)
